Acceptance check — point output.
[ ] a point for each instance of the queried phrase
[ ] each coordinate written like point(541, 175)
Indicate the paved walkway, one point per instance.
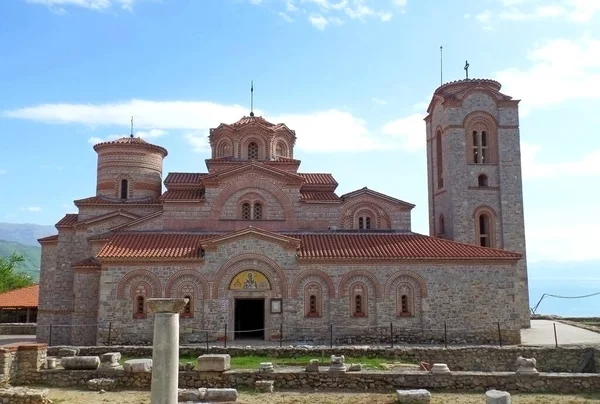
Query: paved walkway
point(542, 333)
point(13, 339)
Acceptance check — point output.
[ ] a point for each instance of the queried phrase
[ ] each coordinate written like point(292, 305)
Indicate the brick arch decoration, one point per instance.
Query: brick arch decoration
point(224, 141)
point(228, 191)
point(484, 209)
point(382, 216)
point(356, 275)
point(259, 139)
point(316, 273)
point(137, 276)
point(188, 277)
point(405, 276)
point(481, 120)
point(480, 116)
point(265, 265)
point(493, 222)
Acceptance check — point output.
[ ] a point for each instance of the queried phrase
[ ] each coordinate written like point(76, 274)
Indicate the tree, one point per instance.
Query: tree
point(9, 277)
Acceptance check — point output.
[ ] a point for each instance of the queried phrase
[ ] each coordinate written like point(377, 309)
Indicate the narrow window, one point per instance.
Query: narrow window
point(124, 188)
point(404, 305)
point(367, 223)
point(484, 230)
point(246, 211)
point(361, 223)
point(442, 228)
point(480, 147)
point(257, 214)
point(187, 310)
point(482, 180)
point(312, 304)
point(139, 307)
point(439, 162)
point(358, 305)
point(252, 151)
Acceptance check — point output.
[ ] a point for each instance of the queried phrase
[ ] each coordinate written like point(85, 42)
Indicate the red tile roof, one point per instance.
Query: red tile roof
point(386, 246)
point(48, 239)
point(184, 178)
point(318, 178)
point(319, 196)
point(68, 220)
point(98, 200)
point(154, 245)
point(131, 141)
point(24, 297)
point(252, 119)
point(179, 195)
point(88, 263)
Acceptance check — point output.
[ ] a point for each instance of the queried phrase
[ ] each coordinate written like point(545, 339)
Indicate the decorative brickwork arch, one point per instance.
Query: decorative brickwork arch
point(313, 299)
point(254, 137)
point(188, 277)
point(140, 291)
point(313, 273)
point(486, 223)
point(359, 299)
point(253, 182)
point(137, 276)
point(224, 147)
point(366, 277)
point(405, 276)
point(261, 263)
point(481, 131)
point(349, 215)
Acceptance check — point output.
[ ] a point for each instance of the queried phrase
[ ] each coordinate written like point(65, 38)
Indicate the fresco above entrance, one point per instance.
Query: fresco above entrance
point(250, 280)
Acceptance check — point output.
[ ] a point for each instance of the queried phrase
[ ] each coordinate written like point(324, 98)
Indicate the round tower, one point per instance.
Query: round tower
point(129, 169)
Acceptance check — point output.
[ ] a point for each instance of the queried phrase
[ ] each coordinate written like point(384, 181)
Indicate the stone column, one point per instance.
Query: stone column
point(165, 351)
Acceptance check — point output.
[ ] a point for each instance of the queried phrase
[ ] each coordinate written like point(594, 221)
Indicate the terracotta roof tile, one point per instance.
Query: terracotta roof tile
point(48, 239)
point(184, 178)
point(154, 245)
point(319, 196)
point(89, 263)
point(387, 246)
point(318, 178)
point(183, 195)
point(252, 119)
point(131, 141)
point(68, 220)
point(98, 200)
point(24, 297)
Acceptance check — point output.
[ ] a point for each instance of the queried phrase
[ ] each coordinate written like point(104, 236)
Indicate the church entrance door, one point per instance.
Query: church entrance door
point(249, 319)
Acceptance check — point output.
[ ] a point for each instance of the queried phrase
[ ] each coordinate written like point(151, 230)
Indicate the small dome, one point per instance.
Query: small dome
point(129, 141)
point(252, 119)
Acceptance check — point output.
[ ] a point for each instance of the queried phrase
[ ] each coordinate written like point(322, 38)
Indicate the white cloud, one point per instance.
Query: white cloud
point(400, 4)
point(32, 209)
point(484, 19)
point(326, 131)
point(533, 168)
point(561, 70)
point(385, 17)
point(256, 2)
point(409, 131)
point(96, 5)
point(378, 101)
point(318, 21)
point(289, 6)
point(2, 171)
point(285, 17)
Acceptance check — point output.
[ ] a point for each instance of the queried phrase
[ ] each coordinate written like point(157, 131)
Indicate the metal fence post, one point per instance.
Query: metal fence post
point(50, 336)
point(330, 335)
point(207, 347)
point(280, 335)
point(445, 335)
point(392, 333)
point(109, 331)
point(499, 334)
point(225, 340)
point(555, 338)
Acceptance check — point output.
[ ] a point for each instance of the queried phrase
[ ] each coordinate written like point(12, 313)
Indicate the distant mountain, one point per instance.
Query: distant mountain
point(25, 233)
point(31, 254)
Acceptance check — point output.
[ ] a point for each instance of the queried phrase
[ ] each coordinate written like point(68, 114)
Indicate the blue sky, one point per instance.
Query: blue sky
point(352, 77)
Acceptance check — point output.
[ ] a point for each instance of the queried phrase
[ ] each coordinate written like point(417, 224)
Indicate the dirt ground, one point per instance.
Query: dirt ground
point(143, 397)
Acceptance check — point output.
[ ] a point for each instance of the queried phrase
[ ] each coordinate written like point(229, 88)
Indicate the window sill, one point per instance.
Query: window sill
point(139, 317)
point(359, 315)
point(313, 315)
point(404, 315)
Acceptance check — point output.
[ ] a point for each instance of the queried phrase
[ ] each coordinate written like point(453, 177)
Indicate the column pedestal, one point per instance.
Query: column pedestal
point(165, 351)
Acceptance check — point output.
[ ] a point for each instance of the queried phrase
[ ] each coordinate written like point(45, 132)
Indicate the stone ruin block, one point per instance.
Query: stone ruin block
point(497, 397)
point(214, 363)
point(313, 366)
point(80, 362)
point(221, 395)
point(526, 366)
point(266, 367)
point(138, 365)
point(417, 396)
point(110, 360)
point(264, 386)
point(355, 367)
point(24, 395)
point(67, 352)
point(186, 367)
point(337, 364)
point(440, 368)
point(191, 395)
point(101, 384)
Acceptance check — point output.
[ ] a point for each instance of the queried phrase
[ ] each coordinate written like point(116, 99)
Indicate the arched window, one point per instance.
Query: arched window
point(361, 223)
point(442, 225)
point(246, 211)
point(358, 299)
point(124, 189)
point(281, 149)
point(484, 230)
point(312, 300)
point(224, 149)
point(364, 223)
point(140, 307)
point(480, 147)
point(312, 308)
point(257, 211)
point(358, 305)
point(187, 310)
point(482, 180)
point(405, 299)
point(439, 162)
point(404, 305)
point(252, 151)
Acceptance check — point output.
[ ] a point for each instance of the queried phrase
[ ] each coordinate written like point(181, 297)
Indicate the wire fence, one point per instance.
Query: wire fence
point(330, 335)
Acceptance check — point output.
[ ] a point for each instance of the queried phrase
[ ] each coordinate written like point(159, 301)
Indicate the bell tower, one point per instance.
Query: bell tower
point(474, 177)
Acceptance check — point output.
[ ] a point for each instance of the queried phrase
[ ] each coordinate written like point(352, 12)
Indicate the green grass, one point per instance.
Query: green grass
point(253, 362)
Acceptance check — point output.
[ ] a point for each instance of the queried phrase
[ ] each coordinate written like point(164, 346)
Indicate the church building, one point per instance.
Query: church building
point(259, 247)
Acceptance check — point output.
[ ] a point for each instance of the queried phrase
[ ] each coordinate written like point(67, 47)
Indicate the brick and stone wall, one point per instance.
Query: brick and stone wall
point(17, 328)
